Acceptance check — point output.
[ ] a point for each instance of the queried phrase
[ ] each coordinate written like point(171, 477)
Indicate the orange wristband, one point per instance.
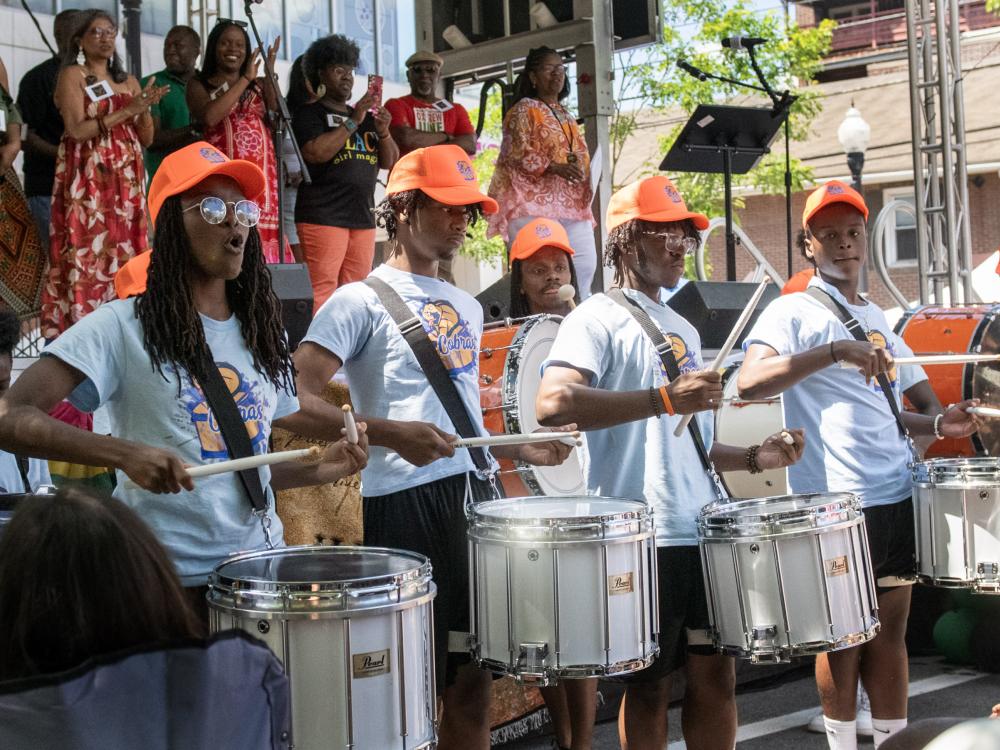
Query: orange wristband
point(666, 400)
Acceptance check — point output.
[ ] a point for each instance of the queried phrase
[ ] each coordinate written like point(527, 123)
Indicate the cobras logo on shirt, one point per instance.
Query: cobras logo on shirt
point(878, 338)
point(450, 334)
point(250, 407)
point(686, 360)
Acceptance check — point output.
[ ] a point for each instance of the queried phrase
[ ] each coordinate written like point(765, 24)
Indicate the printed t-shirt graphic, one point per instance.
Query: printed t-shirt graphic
point(450, 333)
point(248, 401)
point(685, 361)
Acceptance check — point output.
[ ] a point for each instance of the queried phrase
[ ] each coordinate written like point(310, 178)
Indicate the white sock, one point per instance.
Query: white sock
point(883, 729)
point(841, 735)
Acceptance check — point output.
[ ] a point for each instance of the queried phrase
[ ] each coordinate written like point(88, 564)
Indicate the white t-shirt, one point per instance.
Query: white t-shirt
point(198, 528)
point(383, 373)
point(11, 482)
point(852, 441)
point(640, 459)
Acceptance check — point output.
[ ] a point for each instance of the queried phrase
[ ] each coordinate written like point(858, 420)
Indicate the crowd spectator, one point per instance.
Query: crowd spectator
point(541, 263)
point(230, 103)
point(36, 101)
point(344, 147)
point(300, 93)
point(98, 198)
point(172, 127)
point(543, 169)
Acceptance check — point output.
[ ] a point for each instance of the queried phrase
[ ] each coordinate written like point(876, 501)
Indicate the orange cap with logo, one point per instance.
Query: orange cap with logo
point(537, 234)
point(180, 171)
point(651, 199)
point(832, 192)
point(444, 173)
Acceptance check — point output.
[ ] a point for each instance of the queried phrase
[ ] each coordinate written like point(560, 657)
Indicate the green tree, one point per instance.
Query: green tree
point(478, 246)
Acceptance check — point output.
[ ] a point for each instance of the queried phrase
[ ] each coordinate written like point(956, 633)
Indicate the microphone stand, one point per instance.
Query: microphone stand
point(281, 124)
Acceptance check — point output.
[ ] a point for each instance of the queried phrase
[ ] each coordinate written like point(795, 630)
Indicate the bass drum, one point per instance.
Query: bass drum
point(510, 363)
point(959, 329)
point(743, 422)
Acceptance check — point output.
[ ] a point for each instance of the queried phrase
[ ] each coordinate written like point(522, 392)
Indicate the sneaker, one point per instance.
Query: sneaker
point(863, 717)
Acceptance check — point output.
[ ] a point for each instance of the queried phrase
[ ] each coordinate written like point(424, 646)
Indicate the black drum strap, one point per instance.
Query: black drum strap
point(22, 469)
point(842, 314)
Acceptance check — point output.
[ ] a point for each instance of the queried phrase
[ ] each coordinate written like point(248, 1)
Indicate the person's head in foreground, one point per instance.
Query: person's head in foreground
point(650, 232)
point(206, 247)
point(81, 575)
point(541, 262)
point(836, 241)
point(431, 199)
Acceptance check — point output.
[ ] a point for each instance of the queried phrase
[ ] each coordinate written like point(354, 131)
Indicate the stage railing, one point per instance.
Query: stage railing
point(879, 235)
point(744, 241)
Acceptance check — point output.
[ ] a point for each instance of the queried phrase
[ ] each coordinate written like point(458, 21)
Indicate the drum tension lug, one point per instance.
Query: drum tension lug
point(764, 633)
point(988, 569)
point(532, 657)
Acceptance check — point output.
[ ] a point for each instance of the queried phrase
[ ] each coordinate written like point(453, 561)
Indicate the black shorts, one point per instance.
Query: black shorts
point(430, 519)
point(684, 623)
point(891, 544)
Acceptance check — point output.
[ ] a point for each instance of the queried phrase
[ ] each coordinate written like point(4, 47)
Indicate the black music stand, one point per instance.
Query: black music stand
point(727, 140)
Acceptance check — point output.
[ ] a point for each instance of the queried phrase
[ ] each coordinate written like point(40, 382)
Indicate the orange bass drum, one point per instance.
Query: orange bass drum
point(510, 360)
point(959, 329)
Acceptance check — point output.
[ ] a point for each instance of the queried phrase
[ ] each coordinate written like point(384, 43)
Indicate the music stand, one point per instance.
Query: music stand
point(727, 140)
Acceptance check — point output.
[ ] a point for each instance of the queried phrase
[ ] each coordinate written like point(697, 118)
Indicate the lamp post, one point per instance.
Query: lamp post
point(854, 135)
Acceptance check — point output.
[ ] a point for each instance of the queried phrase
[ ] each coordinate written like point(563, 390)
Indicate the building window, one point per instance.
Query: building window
point(269, 22)
point(307, 22)
point(158, 16)
point(901, 235)
point(356, 19)
point(37, 6)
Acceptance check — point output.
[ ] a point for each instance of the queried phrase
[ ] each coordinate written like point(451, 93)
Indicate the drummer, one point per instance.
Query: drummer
point(541, 263)
point(208, 294)
point(416, 485)
point(855, 444)
point(605, 374)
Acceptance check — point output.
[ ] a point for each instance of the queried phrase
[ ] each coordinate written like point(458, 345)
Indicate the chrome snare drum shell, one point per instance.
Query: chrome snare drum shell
point(787, 576)
point(956, 511)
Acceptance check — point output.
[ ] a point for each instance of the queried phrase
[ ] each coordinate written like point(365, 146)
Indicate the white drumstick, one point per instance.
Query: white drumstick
point(569, 438)
point(566, 294)
point(727, 347)
point(983, 411)
point(935, 359)
point(789, 440)
point(350, 425)
point(252, 462)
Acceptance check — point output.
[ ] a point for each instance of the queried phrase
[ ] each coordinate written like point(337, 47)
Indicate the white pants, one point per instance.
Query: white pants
point(581, 239)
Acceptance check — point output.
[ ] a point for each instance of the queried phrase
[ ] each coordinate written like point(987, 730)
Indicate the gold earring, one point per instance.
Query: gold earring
point(321, 91)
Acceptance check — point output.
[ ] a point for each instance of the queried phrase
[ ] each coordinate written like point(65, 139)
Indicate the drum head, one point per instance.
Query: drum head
point(783, 513)
point(546, 508)
point(984, 471)
point(319, 565)
point(985, 378)
point(522, 377)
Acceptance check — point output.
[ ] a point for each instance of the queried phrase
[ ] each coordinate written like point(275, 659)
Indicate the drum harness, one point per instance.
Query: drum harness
point(665, 349)
point(854, 328)
point(234, 432)
point(412, 330)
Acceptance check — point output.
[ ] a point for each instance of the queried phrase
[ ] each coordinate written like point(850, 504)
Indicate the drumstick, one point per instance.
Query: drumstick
point(350, 425)
point(252, 462)
point(727, 347)
point(569, 438)
point(936, 359)
point(566, 294)
point(789, 440)
point(983, 411)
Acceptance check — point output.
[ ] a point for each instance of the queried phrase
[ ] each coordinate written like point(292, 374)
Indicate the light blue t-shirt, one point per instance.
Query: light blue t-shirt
point(198, 528)
point(383, 373)
point(640, 459)
point(11, 481)
point(852, 441)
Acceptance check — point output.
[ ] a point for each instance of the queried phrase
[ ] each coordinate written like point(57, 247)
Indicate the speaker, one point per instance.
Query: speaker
point(713, 308)
point(290, 282)
point(495, 300)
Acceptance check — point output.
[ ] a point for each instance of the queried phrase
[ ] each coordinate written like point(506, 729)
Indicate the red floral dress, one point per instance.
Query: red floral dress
point(98, 218)
point(244, 134)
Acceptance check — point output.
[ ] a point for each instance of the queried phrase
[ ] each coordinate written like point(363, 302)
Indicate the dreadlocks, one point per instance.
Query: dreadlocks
point(627, 235)
point(387, 212)
point(171, 328)
point(519, 306)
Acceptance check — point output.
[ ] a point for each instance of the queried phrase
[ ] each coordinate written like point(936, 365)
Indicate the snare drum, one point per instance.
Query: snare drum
point(352, 627)
point(749, 422)
point(510, 362)
point(787, 576)
point(956, 511)
point(563, 587)
point(959, 329)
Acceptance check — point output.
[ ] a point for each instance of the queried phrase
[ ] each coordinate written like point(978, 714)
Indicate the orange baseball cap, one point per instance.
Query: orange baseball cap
point(131, 278)
point(190, 165)
point(834, 191)
point(538, 234)
point(444, 173)
point(651, 199)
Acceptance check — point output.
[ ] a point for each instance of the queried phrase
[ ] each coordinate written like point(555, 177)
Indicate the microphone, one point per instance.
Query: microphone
point(692, 70)
point(743, 42)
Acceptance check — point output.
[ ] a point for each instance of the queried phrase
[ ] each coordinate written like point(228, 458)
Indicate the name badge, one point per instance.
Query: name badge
point(219, 91)
point(3, 120)
point(443, 105)
point(99, 91)
point(334, 120)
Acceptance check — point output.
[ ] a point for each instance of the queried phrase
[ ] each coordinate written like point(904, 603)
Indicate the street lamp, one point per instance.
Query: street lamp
point(854, 135)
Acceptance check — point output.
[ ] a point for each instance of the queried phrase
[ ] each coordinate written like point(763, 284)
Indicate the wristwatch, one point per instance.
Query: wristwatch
point(349, 125)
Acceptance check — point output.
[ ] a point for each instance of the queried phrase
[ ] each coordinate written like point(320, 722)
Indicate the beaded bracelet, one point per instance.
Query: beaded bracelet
point(654, 401)
point(937, 426)
point(751, 459)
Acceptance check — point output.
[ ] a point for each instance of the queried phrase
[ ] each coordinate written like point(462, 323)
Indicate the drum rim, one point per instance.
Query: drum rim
point(714, 518)
point(980, 470)
point(478, 518)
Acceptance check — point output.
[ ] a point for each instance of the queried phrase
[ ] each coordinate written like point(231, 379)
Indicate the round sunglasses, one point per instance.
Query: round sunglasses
point(214, 210)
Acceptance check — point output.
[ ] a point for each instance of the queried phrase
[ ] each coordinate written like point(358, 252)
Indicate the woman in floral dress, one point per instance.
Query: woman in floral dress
point(231, 103)
point(98, 199)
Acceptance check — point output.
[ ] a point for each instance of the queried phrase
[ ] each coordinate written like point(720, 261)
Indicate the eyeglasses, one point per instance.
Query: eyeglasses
point(674, 242)
point(103, 32)
point(233, 21)
point(214, 210)
point(419, 70)
point(342, 70)
point(552, 68)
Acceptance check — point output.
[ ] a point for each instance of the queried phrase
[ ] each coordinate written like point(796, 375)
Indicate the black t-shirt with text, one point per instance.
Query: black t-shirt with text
point(342, 193)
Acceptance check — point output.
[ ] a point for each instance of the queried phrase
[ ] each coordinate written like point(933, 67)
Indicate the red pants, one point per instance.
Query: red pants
point(335, 256)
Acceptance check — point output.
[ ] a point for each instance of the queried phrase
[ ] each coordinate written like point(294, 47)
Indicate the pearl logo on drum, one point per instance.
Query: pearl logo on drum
point(370, 664)
point(836, 566)
point(620, 584)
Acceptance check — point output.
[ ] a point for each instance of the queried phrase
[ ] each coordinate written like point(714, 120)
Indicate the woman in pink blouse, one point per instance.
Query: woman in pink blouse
point(543, 170)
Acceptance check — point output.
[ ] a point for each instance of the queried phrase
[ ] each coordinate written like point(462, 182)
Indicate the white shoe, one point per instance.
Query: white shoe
point(863, 717)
